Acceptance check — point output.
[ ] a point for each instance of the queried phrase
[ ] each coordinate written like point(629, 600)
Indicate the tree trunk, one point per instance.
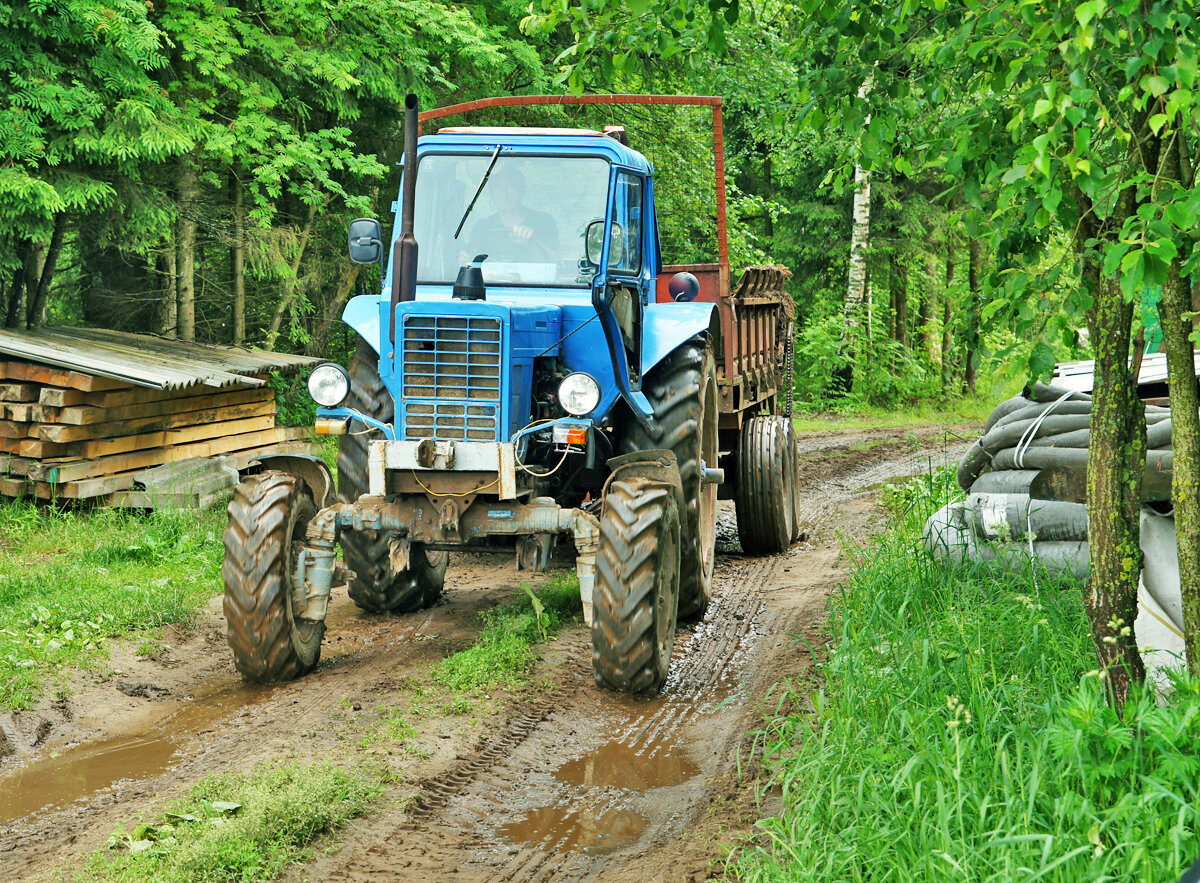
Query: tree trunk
point(899, 301)
point(237, 263)
point(16, 297)
point(185, 249)
point(285, 302)
point(1116, 458)
point(927, 313)
point(1185, 427)
point(35, 313)
point(947, 341)
point(971, 334)
point(169, 307)
point(346, 282)
point(860, 241)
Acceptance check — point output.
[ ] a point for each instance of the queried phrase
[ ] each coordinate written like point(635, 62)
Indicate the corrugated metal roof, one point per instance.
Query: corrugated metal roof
point(146, 359)
point(1077, 376)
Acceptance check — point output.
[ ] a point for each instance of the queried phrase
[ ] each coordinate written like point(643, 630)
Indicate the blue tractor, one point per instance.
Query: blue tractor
point(530, 370)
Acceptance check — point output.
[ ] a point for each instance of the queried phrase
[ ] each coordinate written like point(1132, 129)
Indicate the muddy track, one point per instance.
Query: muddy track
point(559, 782)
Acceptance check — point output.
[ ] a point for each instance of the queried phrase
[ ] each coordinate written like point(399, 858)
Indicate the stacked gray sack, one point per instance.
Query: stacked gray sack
point(1045, 427)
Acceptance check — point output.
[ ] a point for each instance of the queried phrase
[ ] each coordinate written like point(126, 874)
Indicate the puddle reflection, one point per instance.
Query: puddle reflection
point(586, 830)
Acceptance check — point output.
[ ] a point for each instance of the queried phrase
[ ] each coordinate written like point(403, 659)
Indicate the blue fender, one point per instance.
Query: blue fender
point(362, 314)
point(666, 326)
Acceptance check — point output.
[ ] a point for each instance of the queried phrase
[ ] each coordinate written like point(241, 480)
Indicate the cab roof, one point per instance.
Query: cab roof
point(582, 142)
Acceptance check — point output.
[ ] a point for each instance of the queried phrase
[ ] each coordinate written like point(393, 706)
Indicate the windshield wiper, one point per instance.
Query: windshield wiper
point(482, 183)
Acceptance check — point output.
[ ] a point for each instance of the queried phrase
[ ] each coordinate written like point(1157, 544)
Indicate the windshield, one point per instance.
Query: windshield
point(529, 219)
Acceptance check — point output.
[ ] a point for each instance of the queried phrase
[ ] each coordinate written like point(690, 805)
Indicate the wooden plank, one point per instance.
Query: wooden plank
point(122, 444)
point(38, 449)
point(13, 429)
point(18, 392)
point(65, 398)
point(51, 376)
point(63, 433)
point(84, 415)
point(57, 472)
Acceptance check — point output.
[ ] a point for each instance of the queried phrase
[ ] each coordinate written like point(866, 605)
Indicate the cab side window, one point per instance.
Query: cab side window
point(625, 251)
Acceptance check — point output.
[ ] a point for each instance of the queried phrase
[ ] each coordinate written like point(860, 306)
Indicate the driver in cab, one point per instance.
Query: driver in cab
point(515, 233)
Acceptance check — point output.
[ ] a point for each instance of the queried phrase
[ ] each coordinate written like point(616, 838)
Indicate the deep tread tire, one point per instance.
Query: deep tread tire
point(636, 595)
point(376, 587)
point(683, 392)
point(764, 496)
point(267, 520)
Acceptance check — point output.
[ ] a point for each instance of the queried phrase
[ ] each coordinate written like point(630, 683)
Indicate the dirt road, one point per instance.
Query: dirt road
point(559, 781)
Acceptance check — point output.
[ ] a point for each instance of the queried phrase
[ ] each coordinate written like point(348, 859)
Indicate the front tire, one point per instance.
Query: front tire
point(267, 520)
point(683, 392)
point(377, 587)
point(636, 594)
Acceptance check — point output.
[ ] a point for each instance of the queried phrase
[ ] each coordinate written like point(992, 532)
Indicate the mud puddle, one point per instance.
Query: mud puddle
point(592, 830)
point(64, 776)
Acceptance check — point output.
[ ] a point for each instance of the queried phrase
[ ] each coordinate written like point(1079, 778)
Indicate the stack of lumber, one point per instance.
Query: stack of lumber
point(73, 435)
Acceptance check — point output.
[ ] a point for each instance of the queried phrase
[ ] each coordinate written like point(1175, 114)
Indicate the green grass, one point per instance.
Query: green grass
point(69, 580)
point(236, 827)
point(505, 650)
point(962, 734)
point(970, 409)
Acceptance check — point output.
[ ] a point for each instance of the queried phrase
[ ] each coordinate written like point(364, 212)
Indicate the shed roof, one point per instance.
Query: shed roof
point(146, 359)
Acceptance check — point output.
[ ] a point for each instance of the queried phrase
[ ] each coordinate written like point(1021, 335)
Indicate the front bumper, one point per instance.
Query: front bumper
point(430, 456)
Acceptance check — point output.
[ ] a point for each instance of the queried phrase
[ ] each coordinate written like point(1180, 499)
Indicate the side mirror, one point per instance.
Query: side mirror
point(366, 241)
point(593, 240)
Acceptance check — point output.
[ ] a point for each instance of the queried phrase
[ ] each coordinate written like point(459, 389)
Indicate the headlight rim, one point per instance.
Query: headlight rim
point(596, 392)
point(345, 375)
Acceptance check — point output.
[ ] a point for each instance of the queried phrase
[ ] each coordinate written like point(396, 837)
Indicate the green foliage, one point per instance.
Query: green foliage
point(293, 405)
point(505, 648)
point(236, 826)
point(960, 735)
point(70, 580)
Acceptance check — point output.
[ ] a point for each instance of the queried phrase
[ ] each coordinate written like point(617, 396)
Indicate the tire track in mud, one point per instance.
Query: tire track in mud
point(458, 830)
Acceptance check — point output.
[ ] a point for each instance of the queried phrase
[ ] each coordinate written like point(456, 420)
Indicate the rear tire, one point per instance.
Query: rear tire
point(683, 392)
point(636, 594)
point(267, 520)
point(765, 493)
point(376, 586)
point(797, 500)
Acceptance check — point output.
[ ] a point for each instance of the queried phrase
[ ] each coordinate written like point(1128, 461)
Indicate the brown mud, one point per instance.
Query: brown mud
point(559, 781)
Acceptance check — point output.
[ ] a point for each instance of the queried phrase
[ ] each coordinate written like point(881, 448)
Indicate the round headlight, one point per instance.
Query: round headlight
point(579, 394)
point(329, 385)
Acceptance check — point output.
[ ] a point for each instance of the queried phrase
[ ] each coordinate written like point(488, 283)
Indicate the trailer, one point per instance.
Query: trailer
point(530, 370)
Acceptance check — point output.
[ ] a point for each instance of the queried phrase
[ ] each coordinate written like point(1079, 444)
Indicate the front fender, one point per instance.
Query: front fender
point(362, 314)
point(666, 326)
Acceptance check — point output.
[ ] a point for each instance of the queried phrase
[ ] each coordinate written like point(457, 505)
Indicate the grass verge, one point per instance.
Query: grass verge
point(69, 580)
point(505, 651)
point(236, 827)
point(962, 734)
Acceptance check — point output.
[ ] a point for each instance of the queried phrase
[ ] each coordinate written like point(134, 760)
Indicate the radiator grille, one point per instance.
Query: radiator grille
point(452, 377)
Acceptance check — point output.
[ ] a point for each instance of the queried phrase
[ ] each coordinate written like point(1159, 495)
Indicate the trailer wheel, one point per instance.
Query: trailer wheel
point(683, 391)
point(765, 492)
point(636, 595)
point(376, 587)
point(267, 519)
point(797, 500)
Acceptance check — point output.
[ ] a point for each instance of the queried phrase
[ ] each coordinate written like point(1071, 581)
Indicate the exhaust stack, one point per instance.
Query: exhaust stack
point(404, 254)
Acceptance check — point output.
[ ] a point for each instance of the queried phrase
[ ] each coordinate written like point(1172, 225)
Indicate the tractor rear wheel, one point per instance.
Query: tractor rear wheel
point(765, 492)
point(267, 520)
point(683, 392)
point(636, 594)
point(377, 587)
point(797, 501)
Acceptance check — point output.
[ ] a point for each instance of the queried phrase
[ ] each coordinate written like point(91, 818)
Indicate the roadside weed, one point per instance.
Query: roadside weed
point(236, 827)
point(504, 650)
point(961, 734)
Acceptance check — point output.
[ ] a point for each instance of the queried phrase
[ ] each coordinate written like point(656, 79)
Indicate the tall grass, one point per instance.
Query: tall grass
point(68, 580)
point(962, 734)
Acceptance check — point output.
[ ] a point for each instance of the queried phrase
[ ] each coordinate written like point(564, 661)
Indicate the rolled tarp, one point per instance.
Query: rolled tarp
point(1017, 517)
point(951, 538)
